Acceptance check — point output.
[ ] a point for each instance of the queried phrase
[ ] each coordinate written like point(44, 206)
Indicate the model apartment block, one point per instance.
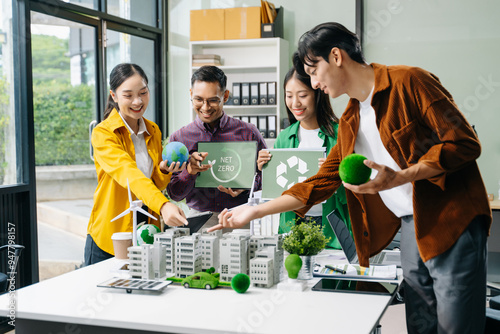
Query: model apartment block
point(188, 258)
point(167, 239)
point(147, 261)
point(210, 251)
point(234, 254)
point(262, 272)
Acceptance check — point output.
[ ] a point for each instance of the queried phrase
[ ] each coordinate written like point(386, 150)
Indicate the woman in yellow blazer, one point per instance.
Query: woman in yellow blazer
point(127, 146)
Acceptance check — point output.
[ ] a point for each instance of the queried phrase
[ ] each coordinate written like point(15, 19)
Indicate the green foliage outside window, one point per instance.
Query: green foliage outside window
point(62, 112)
point(4, 122)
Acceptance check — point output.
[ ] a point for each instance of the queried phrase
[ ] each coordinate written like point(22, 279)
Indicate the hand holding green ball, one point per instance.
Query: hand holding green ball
point(352, 170)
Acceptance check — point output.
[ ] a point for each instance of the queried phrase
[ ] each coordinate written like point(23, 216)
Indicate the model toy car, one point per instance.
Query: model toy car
point(201, 280)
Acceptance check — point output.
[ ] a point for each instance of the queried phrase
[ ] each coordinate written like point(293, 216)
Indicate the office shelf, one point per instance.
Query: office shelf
point(250, 60)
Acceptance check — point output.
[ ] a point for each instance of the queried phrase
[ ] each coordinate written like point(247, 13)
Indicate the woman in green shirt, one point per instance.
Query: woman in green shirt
point(313, 125)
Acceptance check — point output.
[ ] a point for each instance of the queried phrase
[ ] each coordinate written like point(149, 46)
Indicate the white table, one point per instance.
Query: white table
point(72, 303)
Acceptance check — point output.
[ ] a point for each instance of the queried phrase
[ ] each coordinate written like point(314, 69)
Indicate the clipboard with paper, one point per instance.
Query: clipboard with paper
point(349, 271)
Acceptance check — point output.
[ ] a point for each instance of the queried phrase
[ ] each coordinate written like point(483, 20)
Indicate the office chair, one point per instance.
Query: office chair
point(17, 254)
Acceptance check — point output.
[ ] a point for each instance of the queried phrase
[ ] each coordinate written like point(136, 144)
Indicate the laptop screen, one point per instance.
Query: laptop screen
point(344, 237)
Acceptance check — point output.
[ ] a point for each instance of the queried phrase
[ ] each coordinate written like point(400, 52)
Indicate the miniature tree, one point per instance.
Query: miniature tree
point(305, 239)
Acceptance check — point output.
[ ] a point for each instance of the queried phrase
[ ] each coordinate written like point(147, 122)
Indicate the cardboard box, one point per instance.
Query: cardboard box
point(242, 23)
point(207, 24)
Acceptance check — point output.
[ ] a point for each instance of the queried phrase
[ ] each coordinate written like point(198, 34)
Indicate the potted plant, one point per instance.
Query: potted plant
point(306, 240)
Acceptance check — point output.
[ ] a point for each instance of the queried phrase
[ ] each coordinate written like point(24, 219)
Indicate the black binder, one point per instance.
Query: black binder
point(271, 93)
point(254, 93)
point(236, 93)
point(271, 126)
point(245, 93)
point(262, 92)
point(263, 126)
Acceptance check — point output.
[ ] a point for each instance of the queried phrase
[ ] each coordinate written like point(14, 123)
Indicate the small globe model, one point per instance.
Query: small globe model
point(352, 170)
point(145, 234)
point(240, 283)
point(175, 151)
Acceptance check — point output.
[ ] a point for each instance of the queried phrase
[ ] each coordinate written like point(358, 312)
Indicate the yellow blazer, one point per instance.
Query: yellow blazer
point(114, 157)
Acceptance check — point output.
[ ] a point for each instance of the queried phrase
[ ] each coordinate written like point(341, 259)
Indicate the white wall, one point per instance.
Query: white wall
point(458, 40)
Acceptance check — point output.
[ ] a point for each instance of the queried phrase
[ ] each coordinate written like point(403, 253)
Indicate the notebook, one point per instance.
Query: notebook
point(386, 257)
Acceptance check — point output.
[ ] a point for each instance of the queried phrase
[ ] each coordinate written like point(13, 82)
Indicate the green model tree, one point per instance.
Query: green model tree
point(305, 239)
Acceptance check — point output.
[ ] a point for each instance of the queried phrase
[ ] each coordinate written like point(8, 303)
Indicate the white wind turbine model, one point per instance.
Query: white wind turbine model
point(134, 207)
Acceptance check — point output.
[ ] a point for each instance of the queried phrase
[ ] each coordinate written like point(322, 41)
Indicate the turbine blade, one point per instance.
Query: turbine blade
point(146, 213)
point(124, 213)
point(129, 194)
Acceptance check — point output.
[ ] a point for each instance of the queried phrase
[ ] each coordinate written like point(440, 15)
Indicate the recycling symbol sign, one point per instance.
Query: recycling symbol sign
point(288, 167)
point(282, 172)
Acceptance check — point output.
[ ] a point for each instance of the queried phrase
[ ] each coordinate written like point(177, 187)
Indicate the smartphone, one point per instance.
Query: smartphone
point(197, 221)
point(356, 286)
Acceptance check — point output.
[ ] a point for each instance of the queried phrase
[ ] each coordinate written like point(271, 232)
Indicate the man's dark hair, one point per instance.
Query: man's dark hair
point(324, 112)
point(320, 40)
point(210, 74)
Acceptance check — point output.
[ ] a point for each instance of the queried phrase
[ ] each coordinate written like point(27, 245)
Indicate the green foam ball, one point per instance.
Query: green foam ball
point(240, 283)
point(352, 170)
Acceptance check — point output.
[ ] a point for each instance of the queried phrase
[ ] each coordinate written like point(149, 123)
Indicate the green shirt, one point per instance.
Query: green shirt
point(288, 138)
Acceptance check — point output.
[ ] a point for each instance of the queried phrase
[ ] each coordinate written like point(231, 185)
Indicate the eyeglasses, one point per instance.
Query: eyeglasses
point(212, 102)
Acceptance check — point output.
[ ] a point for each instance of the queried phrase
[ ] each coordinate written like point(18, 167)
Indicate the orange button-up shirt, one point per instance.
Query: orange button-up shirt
point(114, 156)
point(418, 121)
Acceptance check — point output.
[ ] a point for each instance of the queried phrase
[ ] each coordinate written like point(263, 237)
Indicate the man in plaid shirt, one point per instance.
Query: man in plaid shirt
point(208, 95)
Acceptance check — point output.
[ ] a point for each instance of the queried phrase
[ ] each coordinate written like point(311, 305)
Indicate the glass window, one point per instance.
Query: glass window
point(84, 3)
point(64, 103)
point(126, 48)
point(138, 11)
point(63, 60)
point(8, 166)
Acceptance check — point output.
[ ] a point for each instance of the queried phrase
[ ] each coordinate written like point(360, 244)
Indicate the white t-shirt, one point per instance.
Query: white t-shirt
point(310, 139)
point(142, 158)
point(369, 144)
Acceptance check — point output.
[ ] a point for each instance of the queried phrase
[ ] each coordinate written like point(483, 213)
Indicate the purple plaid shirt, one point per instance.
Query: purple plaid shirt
point(182, 184)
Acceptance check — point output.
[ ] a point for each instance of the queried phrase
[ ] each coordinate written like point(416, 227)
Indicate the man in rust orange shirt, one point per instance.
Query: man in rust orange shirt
point(425, 180)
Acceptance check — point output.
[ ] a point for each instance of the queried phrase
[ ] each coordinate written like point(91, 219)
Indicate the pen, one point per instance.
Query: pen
point(342, 271)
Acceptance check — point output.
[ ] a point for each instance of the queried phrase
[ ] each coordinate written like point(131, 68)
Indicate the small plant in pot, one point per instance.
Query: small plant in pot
point(306, 240)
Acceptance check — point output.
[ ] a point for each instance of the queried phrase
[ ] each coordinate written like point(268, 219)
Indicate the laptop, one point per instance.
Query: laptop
point(386, 257)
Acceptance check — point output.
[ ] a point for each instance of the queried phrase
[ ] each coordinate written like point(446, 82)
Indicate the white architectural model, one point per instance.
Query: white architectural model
point(167, 239)
point(233, 254)
point(147, 261)
point(188, 258)
point(262, 272)
point(175, 251)
point(210, 249)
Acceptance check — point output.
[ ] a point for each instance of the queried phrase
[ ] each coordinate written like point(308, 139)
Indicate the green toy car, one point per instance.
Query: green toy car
point(201, 280)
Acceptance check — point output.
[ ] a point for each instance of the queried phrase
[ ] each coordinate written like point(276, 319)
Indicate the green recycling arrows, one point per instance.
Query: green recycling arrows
point(287, 167)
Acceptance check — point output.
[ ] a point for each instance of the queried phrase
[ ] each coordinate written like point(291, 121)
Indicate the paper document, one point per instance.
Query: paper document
point(356, 271)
